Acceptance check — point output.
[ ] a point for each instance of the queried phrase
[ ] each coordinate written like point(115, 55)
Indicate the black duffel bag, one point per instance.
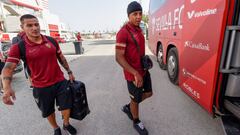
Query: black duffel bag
point(80, 107)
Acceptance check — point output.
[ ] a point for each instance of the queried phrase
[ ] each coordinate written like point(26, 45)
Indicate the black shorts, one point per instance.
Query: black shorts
point(135, 92)
point(1, 66)
point(45, 98)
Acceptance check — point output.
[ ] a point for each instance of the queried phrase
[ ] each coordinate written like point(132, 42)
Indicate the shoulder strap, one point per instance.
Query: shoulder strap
point(135, 41)
point(52, 41)
point(22, 50)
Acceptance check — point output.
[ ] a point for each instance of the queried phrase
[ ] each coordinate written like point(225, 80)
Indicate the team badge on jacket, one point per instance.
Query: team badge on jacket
point(48, 45)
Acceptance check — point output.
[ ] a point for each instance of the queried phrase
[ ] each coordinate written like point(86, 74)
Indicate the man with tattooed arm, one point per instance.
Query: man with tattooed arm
point(49, 84)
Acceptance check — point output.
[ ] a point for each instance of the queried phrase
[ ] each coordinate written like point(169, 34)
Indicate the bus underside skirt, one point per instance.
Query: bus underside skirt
point(231, 125)
point(233, 106)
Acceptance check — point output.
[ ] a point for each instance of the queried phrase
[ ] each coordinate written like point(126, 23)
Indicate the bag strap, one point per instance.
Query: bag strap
point(53, 41)
point(22, 50)
point(135, 41)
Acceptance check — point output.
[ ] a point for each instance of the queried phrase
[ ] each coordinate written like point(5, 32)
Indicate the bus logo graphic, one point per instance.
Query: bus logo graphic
point(199, 46)
point(193, 14)
point(191, 91)
point(190, 15)
point(193, 76)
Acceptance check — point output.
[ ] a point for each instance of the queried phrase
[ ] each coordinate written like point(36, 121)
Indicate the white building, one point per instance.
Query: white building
point(11, 10)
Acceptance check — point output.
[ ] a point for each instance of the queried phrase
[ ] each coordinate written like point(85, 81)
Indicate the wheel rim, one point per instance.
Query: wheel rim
point(160, 56)
point(171, 65)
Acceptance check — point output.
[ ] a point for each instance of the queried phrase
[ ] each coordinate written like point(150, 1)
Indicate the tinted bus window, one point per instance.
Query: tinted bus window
point(155, 5)
point(239, 18)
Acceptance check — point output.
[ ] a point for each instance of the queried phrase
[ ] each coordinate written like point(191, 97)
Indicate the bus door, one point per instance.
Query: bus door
point(199, 61)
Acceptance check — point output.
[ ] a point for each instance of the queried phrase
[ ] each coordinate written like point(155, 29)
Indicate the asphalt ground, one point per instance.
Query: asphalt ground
point(168, 112)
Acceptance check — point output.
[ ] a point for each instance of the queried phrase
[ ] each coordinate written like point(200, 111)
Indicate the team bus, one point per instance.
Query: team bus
point(198, 43)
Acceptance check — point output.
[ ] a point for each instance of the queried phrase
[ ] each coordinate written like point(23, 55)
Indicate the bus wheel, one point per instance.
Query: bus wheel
point(173, 65)
point(160, 57)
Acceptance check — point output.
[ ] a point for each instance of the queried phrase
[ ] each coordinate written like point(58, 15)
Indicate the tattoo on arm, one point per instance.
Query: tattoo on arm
point(62, 60)
point(8, 71)
point(7, 78)
point(10, 66)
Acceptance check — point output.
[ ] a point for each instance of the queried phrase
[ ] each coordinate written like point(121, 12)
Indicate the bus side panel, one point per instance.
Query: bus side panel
point(164, 20)
point(202, 30)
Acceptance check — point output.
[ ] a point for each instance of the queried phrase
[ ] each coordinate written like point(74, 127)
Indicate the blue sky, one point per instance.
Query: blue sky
point(93, 15)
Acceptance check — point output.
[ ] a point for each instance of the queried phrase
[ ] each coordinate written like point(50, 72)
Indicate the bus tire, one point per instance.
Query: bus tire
point(173, 65)
point(160, 57)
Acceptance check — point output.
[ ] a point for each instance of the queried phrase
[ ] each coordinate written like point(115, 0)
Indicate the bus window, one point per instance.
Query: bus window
point(155, 5)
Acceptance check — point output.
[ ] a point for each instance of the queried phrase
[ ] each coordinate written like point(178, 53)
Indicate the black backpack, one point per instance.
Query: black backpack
point(16, 39)
point(22, 50)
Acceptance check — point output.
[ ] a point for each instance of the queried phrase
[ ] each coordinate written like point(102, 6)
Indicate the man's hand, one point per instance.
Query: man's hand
point(8, 97)
point(120, 58)
point(138, 80)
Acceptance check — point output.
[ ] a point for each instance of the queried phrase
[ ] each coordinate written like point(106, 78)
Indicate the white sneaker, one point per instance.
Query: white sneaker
point(140, 128)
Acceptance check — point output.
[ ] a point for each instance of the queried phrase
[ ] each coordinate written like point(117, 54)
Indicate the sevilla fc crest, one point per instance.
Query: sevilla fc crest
point(48, 45)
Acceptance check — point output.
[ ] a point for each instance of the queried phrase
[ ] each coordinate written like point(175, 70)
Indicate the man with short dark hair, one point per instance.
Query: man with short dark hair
point(15, 40)
point(47, 78)
point(128, 55)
